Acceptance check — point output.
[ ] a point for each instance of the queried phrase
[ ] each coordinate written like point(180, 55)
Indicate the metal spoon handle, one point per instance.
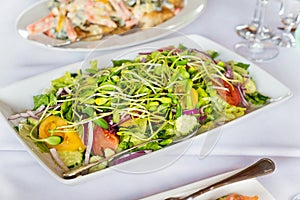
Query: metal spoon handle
point(68, 42)
point(261, 167)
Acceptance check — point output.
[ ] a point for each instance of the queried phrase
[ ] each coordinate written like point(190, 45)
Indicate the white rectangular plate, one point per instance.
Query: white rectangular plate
point(250, 187)
point(18, 97)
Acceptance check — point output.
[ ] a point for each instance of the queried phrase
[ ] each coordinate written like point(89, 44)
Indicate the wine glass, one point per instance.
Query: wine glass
point(290, 17)
point(258, 49)
point(297, 197)
point(248, 31)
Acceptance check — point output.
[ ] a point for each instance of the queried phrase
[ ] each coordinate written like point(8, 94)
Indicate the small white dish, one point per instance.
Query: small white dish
point(250, 187)
point(189, 13)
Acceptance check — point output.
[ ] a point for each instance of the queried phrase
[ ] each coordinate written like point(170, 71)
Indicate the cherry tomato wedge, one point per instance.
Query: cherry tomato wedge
point(103, 139)
point(230, 93)
point(71, 140)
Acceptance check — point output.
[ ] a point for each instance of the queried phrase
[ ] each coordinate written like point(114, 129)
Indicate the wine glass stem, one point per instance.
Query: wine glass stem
point(256, 15)
point(261, 18)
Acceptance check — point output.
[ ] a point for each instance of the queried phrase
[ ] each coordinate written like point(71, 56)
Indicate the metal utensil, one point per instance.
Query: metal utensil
point(63, 43)
point(77, 171)
point(53, 42)
point(261, 167)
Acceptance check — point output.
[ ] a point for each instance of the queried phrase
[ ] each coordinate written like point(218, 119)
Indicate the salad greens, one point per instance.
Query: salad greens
point(164, 94)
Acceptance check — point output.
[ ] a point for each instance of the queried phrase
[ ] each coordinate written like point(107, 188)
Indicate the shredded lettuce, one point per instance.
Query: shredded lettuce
point(65, 80)
point(44, 99)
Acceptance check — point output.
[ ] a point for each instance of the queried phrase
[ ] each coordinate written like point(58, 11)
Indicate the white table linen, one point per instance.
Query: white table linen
point(273, 133)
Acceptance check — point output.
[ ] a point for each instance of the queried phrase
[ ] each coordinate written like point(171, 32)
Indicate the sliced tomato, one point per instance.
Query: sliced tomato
point(51, 123)
point(230, 93)
point(71, 140)
point(104, 139)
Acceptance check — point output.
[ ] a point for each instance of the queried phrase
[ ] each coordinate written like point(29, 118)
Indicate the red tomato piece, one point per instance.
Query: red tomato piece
point(230, 93)
point(104, 139)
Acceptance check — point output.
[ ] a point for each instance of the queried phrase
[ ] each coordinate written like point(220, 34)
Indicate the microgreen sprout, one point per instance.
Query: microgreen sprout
point(51, 140)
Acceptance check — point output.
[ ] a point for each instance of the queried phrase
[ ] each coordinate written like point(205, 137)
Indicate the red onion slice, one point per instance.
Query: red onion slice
point(128, 157)
point(90, 137)
point(242, 95)
point(57, 159)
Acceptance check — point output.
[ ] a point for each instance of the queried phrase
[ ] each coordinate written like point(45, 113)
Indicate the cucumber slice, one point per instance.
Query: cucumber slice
point(32, 121)
point(250, 86)
point(71, 158)
point(102, 165)
point(186, 124)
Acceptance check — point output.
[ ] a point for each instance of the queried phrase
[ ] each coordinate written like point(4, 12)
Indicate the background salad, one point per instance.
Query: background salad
point(93, 19)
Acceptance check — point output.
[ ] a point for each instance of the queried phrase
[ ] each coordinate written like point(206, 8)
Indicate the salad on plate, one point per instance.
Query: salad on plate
point(92, 19)
point(156, 97)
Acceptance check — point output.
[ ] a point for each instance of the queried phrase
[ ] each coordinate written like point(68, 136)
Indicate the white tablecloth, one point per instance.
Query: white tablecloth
point(273, 133)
